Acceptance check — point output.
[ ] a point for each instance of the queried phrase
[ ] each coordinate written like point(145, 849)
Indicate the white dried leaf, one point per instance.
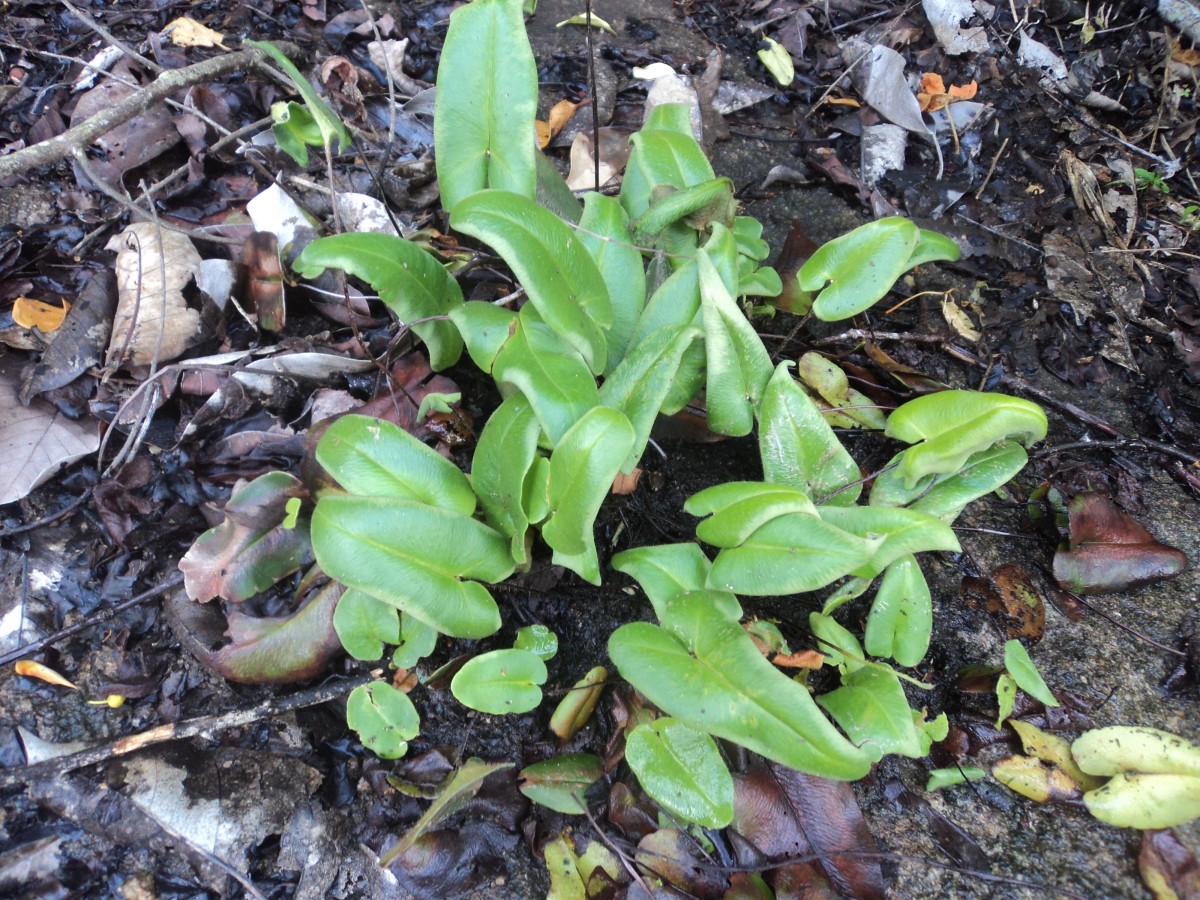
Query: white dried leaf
point(153, 321)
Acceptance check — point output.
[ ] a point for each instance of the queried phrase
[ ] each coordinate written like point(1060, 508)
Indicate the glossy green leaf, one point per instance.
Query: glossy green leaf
point(407, 278)
point(365, 624)
point(952, 426)
point(682, 769)
point(384, 718)
point(604, 231)
point(538, 640)
point(537, 493)
point(373, 457)
point(738, 364)
point(847, 407)
point(799, 448)
point(334, 134)
point(553, 192)
point(413, 556)
point(502, 681)
point(697, 206)
point(790, 555)
point(503, 457)
point(576, 708)
point(663, 152)
point(717, 681)
point(582, 468)
point(665, 570)
point(1006, 697)
point(721, 603)
point(549, 372)
point(485, 329)
point(1146, 801)
point(871, 708)
point(462, 786)
point(1118, 748)
point(640, 385)
point(901, 619)
point(251, 550)
point(940, 778)
point(551, 262)
point(903, 531)
point(675, 304)
point(778, 61)
point(737, 509)
point(295, 130)
point(417, 641)
point(932, 247)
point(1025, 673)
point(946, 496)
point(838, 643)
point(854, 271)
point(560, 783)
point(486, 103)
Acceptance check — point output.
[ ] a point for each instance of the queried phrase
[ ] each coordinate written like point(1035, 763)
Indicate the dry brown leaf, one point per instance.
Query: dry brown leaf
point(45, 317)
point(153, 320)
point(843, 101)
point(185, 32)
point(959, 320)
point(626, 484)
point(614, 153)
point(805, 659)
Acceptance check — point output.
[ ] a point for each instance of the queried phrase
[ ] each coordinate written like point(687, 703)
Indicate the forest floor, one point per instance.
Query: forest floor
point(1066, 175)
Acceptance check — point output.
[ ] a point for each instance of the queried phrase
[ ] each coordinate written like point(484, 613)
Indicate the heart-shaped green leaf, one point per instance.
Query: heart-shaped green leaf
point(486, 103)
point(682, 769)
point(799, 448)
point(365, 624)
point(901, 619)
point(740, 508)
point(407, 278)
point(582, 468)
point(375, 458)
point(952, 426)
point(854, 271)
point(413, 556)
point(502, 681)
point(946, 496)
point(729, 690)
point(538, 640)
point(904, 531)
point(384, 718)
point(871, 708)
point(665, 570)
point(417, 641)
point(551, 262)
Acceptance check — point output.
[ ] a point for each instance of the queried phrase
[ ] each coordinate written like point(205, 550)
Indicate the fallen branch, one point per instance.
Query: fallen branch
point(179, 730)
point(78, 137)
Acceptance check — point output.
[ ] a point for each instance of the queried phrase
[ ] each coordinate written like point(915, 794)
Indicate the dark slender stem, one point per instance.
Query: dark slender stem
point(595, 100)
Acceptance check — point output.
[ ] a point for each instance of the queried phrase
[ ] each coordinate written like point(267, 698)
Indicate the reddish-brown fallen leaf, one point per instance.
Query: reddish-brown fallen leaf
point(280, 650)
point(264, 280)
point(1109, 551)
point(805, 659)
point(1011, 598)
point(934, 95)
point(785, 813)
point(1168, 868)
point(675, 857)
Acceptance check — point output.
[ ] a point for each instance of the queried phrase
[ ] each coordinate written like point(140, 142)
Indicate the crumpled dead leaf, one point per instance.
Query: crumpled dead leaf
point(153, 322)
point(614, 153)
point(185, 32)
point(560, 114)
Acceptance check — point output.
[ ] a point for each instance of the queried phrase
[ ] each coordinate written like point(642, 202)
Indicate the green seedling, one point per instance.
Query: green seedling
point(1147, 180)
point(502, 681)
point(538, 640)
point(384, 718)
point(297, 127)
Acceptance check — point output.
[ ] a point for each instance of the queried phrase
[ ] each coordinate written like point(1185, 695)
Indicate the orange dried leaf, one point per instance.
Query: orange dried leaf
point(560, 115)
point(931, 83)
point(1187, 57)
point(30, 669)
point(36, 314)
point(626, 484)
point(844, 101)
point(963, 91)
point(543, 133)
point(934, 96)
point(805, 659)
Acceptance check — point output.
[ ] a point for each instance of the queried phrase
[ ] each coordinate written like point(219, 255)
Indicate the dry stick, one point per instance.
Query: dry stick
point(991, 169)
point(176, 731)
point(136, 104)
point(111, 38)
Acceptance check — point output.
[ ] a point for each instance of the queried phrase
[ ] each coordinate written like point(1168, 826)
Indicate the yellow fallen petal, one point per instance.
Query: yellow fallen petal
point(36, 314)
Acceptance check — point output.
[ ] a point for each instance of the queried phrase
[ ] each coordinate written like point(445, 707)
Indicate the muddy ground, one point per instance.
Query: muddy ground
point(296, 807)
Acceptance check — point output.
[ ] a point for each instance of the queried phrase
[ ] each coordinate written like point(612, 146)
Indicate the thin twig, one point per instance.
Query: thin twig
point(991, 169)
point(176, 731)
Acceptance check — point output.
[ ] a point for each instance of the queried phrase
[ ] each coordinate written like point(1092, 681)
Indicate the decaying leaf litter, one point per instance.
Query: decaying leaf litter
point(1064, 177)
